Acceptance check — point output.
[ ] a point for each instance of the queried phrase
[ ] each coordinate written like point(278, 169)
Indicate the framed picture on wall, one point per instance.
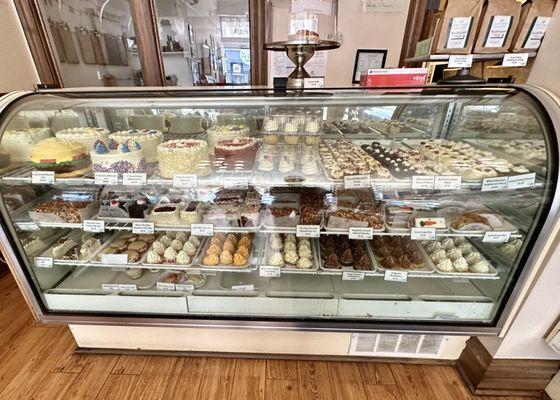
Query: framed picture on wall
point(368, 59)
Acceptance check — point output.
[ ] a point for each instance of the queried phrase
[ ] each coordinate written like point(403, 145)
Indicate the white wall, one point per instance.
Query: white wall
point(17, 70)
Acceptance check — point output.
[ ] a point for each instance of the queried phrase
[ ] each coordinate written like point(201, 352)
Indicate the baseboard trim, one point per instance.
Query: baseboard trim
point(301, 357)
point(486, 376)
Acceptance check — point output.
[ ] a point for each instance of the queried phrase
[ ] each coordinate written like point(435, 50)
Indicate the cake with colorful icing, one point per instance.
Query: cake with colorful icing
point(236, 152)
point(86, 136)
point(19, 143)
point(126, 157)
point(183, 156)
point(61, 156)
point(225, 132)
point(148, 139)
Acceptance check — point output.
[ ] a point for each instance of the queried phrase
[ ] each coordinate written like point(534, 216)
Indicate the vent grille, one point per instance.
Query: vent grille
point(394, 345)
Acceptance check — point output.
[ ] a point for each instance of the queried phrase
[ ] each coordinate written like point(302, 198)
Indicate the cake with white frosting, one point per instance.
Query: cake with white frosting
point(225, 132)
point(126, 157)
point(148, 139)
point(18, 144)
point(86, 136)
point(183, 156)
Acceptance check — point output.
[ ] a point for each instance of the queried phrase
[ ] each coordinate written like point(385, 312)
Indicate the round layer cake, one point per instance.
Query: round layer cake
point(19, 143)
point(86, 136)
point(127, 157)
point(236, 152)
point(225, 132)
point(183, 156)
point(58, 155)
point(148, 139)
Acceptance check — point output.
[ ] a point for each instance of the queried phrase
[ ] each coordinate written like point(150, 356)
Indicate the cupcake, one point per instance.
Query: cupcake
point(291, 130)
point(270, 132)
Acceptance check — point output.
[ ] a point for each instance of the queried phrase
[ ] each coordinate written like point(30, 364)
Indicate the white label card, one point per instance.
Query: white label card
point(236, 182)
point(106, 178)
point(269, 272)
point(43, 262)
point(184, 287)
point(111, 287)
point(498, 32)
point(357, 181)
point(423, 233)
point(521, 181)
point(458, 32)
point(396, 276)
point(165, 286)
point(185, 180)
point(42, 177)
point(134, 179)
point(353, 276)
point(357, 233)
point(423, 182)
point(313, 83)
point(515, 60)
point(535, 35)
point(308, 231)
point(28, 226)
point(243, 288)
point(492, 184)
point(312, 6)
point(114, 259)
point(447, 182)
point(127, 287)
point(460, 61)
point(96, 226)
point(140, 228)
point(202, 229)
point(496, 236)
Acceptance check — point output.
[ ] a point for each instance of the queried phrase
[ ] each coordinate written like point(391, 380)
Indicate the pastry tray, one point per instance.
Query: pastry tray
point(491, 250)
point(506, 227)
point(339, 271)
point(184, 281)
point(97, 262)
point(428, 267)
point(76, 236)
point(226, 228)
point(287, 268)
point(492, 271)
point(251, 264)
point(165, 265)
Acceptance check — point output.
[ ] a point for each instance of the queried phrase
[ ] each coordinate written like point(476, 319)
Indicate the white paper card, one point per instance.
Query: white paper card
point(357, 233)
point(498, 32)
point(308, 231)
point(28, 226)
point(312, 6)
point(396, 276)
point(114, 259)
point(423, 182)
point(42, 177)
point(127, 287)
point(357, 181)
point(496, 237)
point(303, 21)
point(243, 288)
point(535, 35)
point(185, 180)
point(93, 225)
point(236, 182)
point(183, 287)
point(269, 272)
point(460, 61)
point(165, 286)
point(447, 182)
point(134, 179)
point(353, 276)
point(423, 233)
point(140, 228)
point(521, 181)
point(458, 32)
point(492, 184)
point(202, 229)
point(43, 262)
point(515, 60)
point(313, 83)
point(111, 287)
point(106, 178)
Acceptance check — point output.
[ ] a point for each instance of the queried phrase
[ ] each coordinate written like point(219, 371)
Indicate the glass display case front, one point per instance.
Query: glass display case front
point(343, 209)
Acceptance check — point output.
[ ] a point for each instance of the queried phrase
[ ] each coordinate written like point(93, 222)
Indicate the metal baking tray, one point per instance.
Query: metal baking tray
point(428, 267)
point(288, 268)
point(250, 265)
point(341, 270)
point(170, 265)
point(96, 257)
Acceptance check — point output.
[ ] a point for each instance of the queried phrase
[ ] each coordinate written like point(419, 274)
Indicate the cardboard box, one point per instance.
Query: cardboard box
point(456, 34)
point(498, 26)
point(535, 16)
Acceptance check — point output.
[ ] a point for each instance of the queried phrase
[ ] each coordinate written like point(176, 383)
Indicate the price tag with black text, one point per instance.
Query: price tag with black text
point(353, 276)
point(358, 233)
point(236, 182)
point(423, 233)
point(269, 272)
point(106, 178)
point(43, 262)
point(127, 287)
point(202, 229)
point(140, 228)
point(42, 177)
point(447, 182)
point(496, 236)
point(492, 184)
point(185, 180)
point(423, 182)
point(521, 181)
point(93, 225)
point(114, 259)
point(396, 276)
point(357, 181)
point(134, 179)
point(165, 286)
point(308, 231)
point(243, 288)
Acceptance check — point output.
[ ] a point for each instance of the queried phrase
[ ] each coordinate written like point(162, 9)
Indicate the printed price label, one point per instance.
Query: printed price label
point(496, 236)
point(515, 60)
point(357, 181)
point(236, 182)
point(202, 229)
point(183, 287)
point(28, 226)
point(492, 184)
point(313, 83)
point(396, 276)
point(423, 233)
point(134, 179)
point(42, 177)
point(43, 262)
point(140, 228)
point(111, 287)
point(447, 182)
point(460, 61)
point(106, 178)
point(127, 287)
point(423, 182)
point(269, 272)
point(90, 225)
point(353, 276)
point(165, 286)
point(360, 233)
point(185, 180)
point(308, 231)
point(114, 259)
point(243, 288)
point(521, 181)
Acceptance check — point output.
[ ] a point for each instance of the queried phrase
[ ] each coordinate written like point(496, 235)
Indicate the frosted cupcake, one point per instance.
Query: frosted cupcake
point(291, 130)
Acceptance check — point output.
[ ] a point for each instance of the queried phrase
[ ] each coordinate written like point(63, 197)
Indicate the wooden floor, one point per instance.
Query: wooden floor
point(38, 362)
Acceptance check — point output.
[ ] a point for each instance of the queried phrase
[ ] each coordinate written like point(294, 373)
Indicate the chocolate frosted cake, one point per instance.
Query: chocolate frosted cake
point(236, 153)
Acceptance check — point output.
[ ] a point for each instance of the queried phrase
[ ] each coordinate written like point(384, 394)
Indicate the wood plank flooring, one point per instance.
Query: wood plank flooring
point(38, 362)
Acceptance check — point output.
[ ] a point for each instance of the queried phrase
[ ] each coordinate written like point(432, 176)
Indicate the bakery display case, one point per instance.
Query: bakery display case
point(419, 209)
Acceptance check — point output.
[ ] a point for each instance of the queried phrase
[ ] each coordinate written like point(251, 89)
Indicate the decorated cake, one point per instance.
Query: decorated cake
point(183, 156)
point(86, 136)
point(236, 152)
point(58, 155)
point(126, 157)
point(148, 139)
point(19, 143)
point(225, 132)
